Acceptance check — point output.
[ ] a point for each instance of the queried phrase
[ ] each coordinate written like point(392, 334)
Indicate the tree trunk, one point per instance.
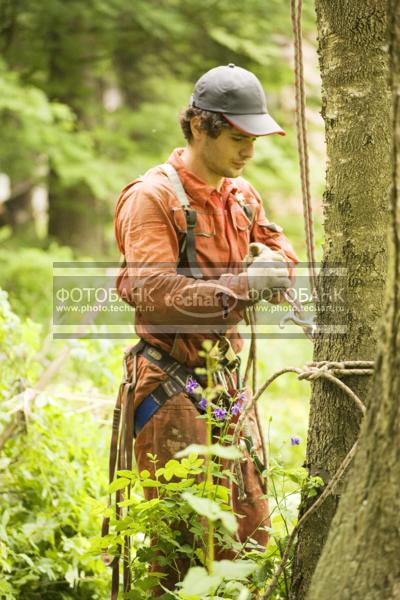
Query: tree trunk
point(356, 109)
point(75, 215)
point(361, 557)
point(76, 218)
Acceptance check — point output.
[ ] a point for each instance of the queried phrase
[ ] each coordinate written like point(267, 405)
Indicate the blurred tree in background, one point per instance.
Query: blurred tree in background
point(90, 97)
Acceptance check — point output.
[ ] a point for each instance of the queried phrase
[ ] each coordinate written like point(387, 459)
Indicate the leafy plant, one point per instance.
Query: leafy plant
point(51, 471)
point(191, 513)
point(48, 476)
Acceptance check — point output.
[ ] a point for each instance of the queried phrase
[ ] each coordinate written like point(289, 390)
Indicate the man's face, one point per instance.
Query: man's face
point(226, 155)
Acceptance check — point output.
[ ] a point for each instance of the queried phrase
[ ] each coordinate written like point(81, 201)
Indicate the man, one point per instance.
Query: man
point(204, 229)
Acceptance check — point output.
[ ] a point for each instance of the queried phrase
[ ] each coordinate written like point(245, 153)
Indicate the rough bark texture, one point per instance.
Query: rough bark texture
point(356, 109)
point(361, 557)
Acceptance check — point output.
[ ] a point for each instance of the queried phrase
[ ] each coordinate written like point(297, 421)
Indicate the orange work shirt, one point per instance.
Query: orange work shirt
point(173, 310)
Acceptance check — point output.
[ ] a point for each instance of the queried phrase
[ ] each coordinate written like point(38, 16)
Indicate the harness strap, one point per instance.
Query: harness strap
point(191, 217)
point(176, 370)
point(178, 376)
point(248, 211)
point(154, 401)
point(188, 245)
point(174, 178)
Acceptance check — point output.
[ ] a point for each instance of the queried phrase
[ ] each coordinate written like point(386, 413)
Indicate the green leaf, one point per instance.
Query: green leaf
point(234, 569)
point(227, 452)
point(118, 484)
point(212, 510)
point(125, 473)
point(150, 483)
point(197, 581)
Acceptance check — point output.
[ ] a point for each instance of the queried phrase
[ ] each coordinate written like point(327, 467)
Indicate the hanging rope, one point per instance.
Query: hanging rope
point(296, 8)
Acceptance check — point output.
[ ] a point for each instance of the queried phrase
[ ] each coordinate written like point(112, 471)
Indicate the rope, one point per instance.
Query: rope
point(296, 7)
point(250, 319)
point(311, 371)
point(253, 323)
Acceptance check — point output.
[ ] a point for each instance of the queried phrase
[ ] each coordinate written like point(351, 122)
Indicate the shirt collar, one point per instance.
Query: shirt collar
point(198, 190)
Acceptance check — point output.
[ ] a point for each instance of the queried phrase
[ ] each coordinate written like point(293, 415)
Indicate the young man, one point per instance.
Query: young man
point(184, 266)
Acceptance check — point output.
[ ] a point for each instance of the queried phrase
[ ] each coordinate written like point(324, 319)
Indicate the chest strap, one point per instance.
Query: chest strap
point(187, 247)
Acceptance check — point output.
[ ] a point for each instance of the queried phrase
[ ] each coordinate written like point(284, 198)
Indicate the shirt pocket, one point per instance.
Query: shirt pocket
point(240, 220)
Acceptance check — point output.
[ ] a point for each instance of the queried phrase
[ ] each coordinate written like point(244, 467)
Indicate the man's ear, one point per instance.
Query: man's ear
point(197, 132)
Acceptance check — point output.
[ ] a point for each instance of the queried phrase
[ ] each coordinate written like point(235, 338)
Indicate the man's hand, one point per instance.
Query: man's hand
point(266, 270)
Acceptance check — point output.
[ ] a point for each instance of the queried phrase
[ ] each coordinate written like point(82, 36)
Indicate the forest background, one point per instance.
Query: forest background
point(89, 99)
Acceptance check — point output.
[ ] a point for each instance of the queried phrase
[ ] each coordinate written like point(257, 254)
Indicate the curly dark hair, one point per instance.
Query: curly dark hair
point(211, 122)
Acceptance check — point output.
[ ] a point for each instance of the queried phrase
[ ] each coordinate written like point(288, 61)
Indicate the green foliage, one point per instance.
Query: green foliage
point(26, 274)
point(46, 523)
point(18, 343)
point(189, 512)
point(37, 131)
point(157, 528)
point(50, 475)
point(62, 64)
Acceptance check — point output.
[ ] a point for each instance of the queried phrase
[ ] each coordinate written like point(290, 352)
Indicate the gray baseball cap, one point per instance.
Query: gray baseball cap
point(238, 95)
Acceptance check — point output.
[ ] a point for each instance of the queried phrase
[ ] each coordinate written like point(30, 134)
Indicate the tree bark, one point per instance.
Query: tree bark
point(356, 108)
point(361, 557)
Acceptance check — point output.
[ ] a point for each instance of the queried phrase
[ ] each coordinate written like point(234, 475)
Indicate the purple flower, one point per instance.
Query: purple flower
point(241, 396)
point(295, 441)
point(203, 404)
point(191, 385)
point(236, 408)
point(219, 413)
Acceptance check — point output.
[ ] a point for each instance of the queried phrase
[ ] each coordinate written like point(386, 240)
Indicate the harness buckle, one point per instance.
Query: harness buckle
point(229, 358)
point(169, 387)
point(156, 354)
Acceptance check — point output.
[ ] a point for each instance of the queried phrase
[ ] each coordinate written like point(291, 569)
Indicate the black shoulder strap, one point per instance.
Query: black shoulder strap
point(187, 246)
